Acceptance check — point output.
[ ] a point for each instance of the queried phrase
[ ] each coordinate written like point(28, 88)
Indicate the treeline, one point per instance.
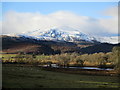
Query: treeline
point(110, 59)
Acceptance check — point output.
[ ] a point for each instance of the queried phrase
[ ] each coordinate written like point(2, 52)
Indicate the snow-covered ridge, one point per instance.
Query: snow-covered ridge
point(57, 34)
point(60, 34)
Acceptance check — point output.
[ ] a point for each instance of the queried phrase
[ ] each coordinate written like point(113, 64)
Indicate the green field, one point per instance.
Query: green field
point(34, 77)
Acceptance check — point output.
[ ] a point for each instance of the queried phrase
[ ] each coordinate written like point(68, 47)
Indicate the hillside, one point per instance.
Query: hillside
point(103, 47)
point(26, 45)
point(30, 45)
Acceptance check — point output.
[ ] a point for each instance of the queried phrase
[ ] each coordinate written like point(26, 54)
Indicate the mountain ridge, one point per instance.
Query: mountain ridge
point(57, 35)
point(69, 36)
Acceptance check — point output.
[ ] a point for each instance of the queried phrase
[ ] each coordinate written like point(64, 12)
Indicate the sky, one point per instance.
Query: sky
point(96, 18)
point(82, 8)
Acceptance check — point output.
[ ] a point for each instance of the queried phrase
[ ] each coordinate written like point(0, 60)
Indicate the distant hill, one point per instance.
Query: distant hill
point(30, 45)
point(26, 45)
point(103, 47)
point(15, 44)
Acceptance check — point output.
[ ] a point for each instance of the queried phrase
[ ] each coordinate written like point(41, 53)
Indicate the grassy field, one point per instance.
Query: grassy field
point(34, 77)
point(8, 55)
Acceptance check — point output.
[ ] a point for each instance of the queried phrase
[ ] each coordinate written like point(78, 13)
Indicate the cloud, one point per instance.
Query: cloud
point(17, 22)
point(110, 24)
point(113, 11)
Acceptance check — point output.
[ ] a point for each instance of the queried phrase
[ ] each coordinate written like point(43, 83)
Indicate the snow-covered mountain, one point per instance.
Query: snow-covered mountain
point(59, 35)
point(67, 35)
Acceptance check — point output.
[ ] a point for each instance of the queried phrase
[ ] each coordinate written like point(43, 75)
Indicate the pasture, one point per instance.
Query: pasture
point(16, 76)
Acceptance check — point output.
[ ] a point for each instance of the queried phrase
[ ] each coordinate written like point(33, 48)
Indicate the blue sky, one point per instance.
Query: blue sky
point(92, 9)
point(95, 21)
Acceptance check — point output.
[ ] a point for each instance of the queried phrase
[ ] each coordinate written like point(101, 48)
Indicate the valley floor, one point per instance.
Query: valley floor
point(15, 76)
